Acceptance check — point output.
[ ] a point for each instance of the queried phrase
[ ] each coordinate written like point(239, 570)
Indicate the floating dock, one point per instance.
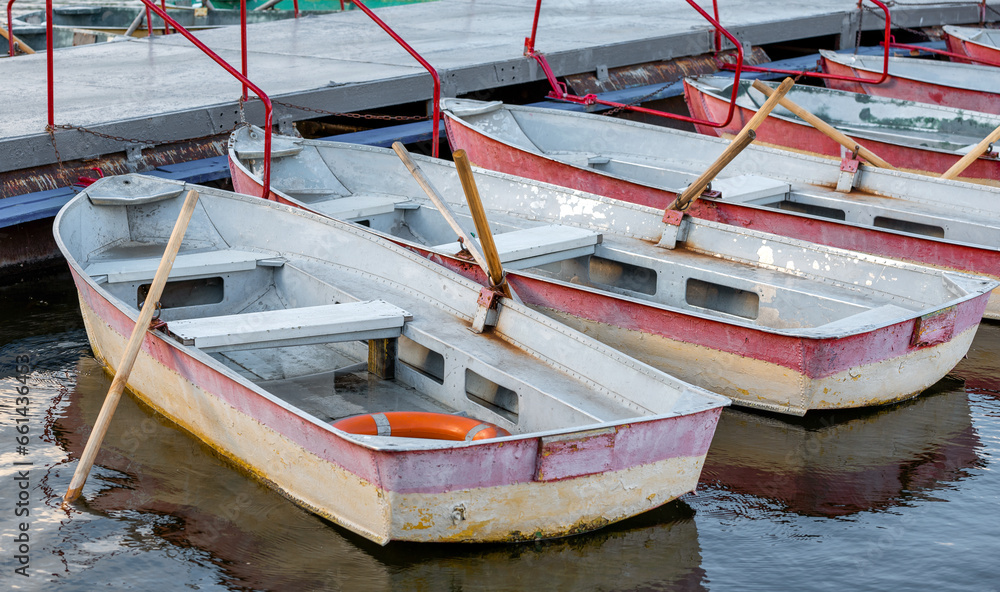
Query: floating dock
point(139, 104)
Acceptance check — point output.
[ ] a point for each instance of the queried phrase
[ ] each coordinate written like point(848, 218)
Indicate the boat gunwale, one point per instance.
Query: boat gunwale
point(807, 334)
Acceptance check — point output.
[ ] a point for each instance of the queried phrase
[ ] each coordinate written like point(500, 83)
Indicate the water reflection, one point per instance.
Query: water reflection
point(842, 463)
point(980, 368)
point(172, 489)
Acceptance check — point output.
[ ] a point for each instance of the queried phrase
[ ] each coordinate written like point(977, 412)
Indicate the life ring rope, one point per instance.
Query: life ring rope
point(420, 424)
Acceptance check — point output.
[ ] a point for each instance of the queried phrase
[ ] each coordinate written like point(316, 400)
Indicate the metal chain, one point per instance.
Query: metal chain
point(51, 130)
point(52, 138)
point(639, 100)
point(879, 14)
point(354, 115)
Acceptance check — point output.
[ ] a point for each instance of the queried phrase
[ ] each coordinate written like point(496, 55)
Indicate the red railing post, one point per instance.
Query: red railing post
point(243, 42)
point(10, 28)
point(950, 54)
point(50, 84)
point(436, 112)
point(885, 58)
point(218, 60)
point(163, 5)
point(559, 89)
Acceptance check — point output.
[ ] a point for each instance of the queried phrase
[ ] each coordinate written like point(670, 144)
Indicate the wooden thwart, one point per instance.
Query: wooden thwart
point(186, 265)
point(328, 323)
point(540, 245)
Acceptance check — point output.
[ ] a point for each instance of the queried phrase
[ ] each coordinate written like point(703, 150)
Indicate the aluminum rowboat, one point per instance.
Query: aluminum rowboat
point(975, 42)
point(771, 322)
point(916, 137)
point(885, 213)
point(962, 86)
point(267, 312)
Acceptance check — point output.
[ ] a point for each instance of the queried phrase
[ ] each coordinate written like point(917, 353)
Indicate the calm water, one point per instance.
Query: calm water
point(904, 498)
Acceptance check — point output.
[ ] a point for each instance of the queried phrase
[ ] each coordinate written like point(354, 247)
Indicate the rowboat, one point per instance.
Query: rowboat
point(962, 86)
point(266, 315)
point(975, 42)
point(917, 137)
point(885, 213)
point(772, 322)
point(206, 505)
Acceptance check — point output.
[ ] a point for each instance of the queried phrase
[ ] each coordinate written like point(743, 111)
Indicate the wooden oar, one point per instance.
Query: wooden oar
point(495, 267)
point(971, 156)
point(136, 22)
point(435, 197)
point(825, 128)
point(132, 350)
point(11, 38)
point(741, 141)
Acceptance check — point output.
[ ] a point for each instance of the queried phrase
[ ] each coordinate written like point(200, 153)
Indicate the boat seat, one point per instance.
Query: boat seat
point(353, 207)
point(531, 247)
point(751, 189)
point(328, 323)
point(186, 265)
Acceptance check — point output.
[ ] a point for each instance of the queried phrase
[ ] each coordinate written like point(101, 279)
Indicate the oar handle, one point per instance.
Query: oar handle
point(971, 156)
point(825, 128)
point(442, 206)
point(741, 141)
point(494, 266)
point(132, 350)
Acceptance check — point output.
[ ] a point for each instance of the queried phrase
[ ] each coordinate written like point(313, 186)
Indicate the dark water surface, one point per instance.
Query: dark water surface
point(904, 497)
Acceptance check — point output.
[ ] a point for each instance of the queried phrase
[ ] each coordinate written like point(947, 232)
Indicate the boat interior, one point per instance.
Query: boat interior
point(676, 169)
point(714, 270)
point(875, 118)
point(336, 339)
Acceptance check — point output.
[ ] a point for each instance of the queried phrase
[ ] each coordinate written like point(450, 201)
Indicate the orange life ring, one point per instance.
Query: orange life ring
point(420, 424)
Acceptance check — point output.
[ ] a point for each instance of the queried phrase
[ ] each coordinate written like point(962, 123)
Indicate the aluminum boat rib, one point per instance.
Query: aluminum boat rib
point(915, 137)
point(885, 213)
point(962, 86)
point(771, 322)
point(272, 316)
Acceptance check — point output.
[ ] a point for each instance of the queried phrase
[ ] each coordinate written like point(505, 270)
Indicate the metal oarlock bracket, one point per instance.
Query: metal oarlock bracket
point(850, 167)
point(488, 311)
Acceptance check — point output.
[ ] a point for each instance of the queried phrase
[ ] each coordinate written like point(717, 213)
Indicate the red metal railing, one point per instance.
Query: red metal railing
point(885, 58)
point(559, 90)
point(950, 54)
point(239, 76)
point(436, 112)
point(10, 29)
